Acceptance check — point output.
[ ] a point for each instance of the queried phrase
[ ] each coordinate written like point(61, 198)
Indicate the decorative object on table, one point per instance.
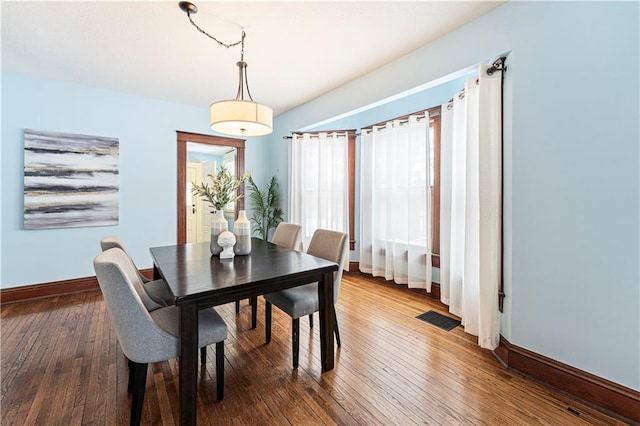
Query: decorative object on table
point(218, 226)
point(222, 191)
point(70, 180)
point(238, 117)
point(242, 231)
point(267, 213)
point(227, 240)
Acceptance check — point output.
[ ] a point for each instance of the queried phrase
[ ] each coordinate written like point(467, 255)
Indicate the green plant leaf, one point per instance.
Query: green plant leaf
point(223, 189)
point(267, 213)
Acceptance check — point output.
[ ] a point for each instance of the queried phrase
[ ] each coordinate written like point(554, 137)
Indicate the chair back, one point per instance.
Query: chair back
point(141, 339)
point(332, 246)
point(287, 235)
point(113, 241)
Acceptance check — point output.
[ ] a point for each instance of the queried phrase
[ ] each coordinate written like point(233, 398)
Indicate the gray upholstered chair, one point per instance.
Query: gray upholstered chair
point(286, 235)
point(156, 293)
point(300, 301)
point(146, 337)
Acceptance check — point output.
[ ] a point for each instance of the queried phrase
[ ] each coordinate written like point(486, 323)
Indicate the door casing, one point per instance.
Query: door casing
point(183, 138)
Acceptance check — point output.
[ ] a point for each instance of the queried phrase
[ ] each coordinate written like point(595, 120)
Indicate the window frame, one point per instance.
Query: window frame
point(434, 121)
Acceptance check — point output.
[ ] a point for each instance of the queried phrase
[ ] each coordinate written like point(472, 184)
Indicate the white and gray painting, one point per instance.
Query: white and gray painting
point(69, 180)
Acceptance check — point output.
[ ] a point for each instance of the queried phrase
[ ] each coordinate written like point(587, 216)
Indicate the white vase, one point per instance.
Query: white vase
point(242, 230)
point(218, 225)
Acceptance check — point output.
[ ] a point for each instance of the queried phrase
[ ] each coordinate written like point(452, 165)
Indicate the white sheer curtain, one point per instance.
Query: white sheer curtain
point(395, 198)
point(470, 206)
point(319, 183)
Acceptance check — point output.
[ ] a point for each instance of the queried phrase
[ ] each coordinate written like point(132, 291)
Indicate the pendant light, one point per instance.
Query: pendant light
point(239, 116)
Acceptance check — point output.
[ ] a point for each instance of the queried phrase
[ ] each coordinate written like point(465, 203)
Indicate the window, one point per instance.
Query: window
point(434, 163)
point(323, 182)
point(395, 201)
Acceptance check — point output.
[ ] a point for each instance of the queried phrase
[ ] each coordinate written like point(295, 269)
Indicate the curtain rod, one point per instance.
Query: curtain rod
point(460, 96)
point(433, 112)
point(498, 65)
point(400, 121)
point(348, 132)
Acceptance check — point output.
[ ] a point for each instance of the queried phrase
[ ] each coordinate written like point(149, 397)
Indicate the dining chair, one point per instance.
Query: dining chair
point(300, 301)
point(156, 293)
point(147, 337)
point(286, 235)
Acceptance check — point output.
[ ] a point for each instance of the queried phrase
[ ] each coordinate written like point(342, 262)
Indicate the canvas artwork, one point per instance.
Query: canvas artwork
point(69, 180)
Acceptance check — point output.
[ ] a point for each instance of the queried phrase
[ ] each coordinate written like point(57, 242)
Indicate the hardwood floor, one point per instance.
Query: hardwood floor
point(61, 365)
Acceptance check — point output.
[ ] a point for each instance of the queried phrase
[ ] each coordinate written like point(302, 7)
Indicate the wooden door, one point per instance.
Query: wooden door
point(194, 205)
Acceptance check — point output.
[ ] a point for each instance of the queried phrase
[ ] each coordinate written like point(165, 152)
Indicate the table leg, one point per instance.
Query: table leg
point(188, 363)
point(325, 297)
point(156, 272)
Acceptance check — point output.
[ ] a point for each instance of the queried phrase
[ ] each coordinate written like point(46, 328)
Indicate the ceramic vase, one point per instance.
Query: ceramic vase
point(242, 230)
point(218, 225)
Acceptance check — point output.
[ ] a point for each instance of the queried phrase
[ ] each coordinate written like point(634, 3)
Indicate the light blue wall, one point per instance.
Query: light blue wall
point(146, 129)
point(571, 169)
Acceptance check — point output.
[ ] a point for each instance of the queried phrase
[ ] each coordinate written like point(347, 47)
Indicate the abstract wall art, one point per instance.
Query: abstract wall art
point(69, 180)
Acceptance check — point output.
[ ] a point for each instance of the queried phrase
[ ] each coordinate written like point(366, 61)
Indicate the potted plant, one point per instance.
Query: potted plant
point(222, 190)
point(267, 213)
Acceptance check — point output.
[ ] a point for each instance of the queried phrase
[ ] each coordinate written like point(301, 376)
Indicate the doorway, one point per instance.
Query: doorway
point(193, 214)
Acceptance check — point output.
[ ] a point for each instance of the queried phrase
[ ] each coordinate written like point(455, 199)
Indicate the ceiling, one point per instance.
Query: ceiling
point(295, 51)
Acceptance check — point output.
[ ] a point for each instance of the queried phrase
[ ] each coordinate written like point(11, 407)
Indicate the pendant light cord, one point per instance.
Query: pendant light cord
point(241, 41)
point(243, 82)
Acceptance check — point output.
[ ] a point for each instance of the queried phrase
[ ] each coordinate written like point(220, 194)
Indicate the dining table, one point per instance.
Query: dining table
point(198, 280)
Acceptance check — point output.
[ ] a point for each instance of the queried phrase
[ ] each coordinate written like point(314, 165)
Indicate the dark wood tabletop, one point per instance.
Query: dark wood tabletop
point(199, 280)
point(194, 274)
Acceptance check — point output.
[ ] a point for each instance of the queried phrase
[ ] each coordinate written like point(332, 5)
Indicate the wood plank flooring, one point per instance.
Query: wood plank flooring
point(62, 365)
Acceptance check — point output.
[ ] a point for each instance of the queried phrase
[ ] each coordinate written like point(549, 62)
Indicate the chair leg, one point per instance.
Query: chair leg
point(295, 340)
point(220, 370)
point(254, 311)
point(267, 320)
point(311, 321)
point(132, 369)
point(335, 328)
point(203, 355)
point(140, 382)
point(237, 306)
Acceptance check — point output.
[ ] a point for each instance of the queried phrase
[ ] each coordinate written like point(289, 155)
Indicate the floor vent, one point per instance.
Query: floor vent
point(442, 321)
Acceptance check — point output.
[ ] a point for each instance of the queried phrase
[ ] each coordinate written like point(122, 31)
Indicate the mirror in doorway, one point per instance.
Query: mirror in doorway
point(203, 160)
